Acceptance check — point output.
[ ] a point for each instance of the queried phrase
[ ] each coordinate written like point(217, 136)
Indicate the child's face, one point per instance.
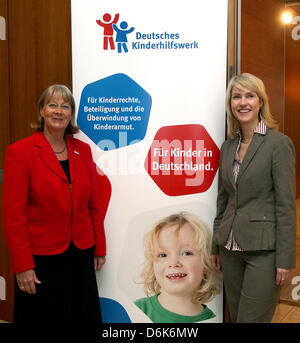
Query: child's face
point(177, 265)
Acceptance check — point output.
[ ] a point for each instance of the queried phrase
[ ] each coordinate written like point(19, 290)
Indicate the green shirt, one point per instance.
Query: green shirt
point(152, 308)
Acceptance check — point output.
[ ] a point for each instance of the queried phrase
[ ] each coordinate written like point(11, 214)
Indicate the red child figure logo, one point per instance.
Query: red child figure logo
point(107, 24)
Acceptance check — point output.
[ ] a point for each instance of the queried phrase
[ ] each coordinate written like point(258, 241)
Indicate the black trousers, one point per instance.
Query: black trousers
point(68, 291)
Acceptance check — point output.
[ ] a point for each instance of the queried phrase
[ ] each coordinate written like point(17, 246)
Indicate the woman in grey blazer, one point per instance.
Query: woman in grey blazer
point(255, 226)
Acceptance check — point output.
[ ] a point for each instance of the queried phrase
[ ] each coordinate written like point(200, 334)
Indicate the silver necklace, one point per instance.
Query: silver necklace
point(60, 152)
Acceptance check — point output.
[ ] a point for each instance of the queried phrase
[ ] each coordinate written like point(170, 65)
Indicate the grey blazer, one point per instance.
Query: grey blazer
point(260, 206)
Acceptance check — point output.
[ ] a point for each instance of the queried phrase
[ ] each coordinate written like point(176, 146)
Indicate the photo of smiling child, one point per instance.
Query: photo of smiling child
point(178, 276)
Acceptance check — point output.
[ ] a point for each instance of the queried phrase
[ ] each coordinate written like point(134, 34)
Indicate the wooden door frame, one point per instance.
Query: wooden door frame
point(232, 66)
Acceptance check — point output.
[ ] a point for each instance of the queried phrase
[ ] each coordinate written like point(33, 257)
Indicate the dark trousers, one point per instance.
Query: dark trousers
point(250, 285)
point(68, 291)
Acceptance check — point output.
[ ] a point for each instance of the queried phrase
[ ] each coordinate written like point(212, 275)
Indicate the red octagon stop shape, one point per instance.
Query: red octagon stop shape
point(182, 159)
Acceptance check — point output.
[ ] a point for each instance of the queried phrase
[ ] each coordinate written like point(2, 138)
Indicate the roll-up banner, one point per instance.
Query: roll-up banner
point(149, 80)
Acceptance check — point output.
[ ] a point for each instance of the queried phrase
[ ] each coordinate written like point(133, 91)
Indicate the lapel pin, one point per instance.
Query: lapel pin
point(76, 152)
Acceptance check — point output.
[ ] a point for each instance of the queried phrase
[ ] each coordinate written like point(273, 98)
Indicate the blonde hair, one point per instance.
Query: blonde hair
point(254, 84)
point(66, 94)
point(210, 285)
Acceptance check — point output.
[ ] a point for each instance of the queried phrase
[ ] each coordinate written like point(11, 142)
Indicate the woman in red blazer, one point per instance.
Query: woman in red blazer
point(52, 218)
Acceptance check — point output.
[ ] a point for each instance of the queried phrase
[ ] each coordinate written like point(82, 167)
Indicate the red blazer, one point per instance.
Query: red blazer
point(41, 211)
